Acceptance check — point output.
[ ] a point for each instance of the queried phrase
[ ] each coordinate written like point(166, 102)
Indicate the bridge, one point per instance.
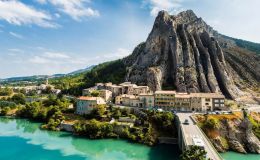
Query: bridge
point(187, 132)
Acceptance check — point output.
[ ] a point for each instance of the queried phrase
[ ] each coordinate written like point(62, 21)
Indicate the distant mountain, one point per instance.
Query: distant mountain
point(81, 70)
point(43, 77)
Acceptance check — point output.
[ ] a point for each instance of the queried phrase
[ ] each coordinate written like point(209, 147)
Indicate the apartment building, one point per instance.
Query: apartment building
point(182, 102)
point(86, 104)
point(170, 100)
point(147, 99)
point(165, 99)
point(105, 94)
point(207, 101)
point(123, 88)
point(129, 100)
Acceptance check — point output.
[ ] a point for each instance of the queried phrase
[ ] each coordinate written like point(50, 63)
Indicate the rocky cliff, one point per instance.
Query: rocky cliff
point(230, 133)
point(183, 53)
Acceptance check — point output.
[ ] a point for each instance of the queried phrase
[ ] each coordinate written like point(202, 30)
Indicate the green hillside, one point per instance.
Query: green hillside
point(251, 46)
point(113, 71)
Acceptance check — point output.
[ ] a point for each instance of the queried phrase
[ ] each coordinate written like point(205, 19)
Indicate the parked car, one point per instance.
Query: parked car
point(186, 122)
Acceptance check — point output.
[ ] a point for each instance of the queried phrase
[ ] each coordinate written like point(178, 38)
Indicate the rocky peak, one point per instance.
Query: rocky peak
point(182, 53)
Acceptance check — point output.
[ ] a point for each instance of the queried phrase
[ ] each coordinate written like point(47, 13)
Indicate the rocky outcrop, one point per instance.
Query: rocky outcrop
point(183, 53)
point(236, 135)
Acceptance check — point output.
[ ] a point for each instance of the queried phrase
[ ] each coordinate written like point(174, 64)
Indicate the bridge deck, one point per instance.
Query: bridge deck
point(192, 130)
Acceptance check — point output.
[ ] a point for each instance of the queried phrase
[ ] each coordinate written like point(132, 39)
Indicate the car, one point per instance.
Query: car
point(186, 121)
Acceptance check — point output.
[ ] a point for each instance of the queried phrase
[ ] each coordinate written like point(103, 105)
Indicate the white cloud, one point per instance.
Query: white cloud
point(18, 13)
point(39, 60)
point(16, 35)
point(74, 8)
point(56, 55)
point(16, 50)
point(171, 6)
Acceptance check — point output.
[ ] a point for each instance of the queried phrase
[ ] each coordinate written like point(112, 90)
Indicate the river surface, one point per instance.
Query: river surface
point(23, 140)
point(238, 156)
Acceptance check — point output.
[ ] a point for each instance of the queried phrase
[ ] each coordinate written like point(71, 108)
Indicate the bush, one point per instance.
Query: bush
point(18, 98)
point(4, 111)
point(211, 123)
point(6, 91)
point(194, 153)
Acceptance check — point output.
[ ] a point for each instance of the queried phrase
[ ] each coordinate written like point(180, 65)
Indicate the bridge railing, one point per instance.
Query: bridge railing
point(206, 138)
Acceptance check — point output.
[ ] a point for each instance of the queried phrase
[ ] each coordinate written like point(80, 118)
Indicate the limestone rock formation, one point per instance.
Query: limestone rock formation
point(183, 53)
point(238, 136)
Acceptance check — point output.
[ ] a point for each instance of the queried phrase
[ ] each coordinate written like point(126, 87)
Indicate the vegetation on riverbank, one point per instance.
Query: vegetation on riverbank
point(103, 122)
point(146, 127)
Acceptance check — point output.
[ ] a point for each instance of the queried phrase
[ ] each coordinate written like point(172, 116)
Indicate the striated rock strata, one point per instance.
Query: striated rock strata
point(236, 135)
point(182, 52)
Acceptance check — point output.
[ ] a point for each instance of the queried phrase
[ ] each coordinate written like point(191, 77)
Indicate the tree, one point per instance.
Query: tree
point(4, 111)
point(18, 98)
point(117, 113)
point(98, 112)
point(95, 93)
point(194, 153)
point(211, 123)
point(6, 91)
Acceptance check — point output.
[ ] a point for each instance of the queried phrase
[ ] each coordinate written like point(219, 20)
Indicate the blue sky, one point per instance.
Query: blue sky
point(59, 36)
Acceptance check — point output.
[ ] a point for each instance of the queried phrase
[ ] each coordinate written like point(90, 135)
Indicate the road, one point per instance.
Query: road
point(192, 130)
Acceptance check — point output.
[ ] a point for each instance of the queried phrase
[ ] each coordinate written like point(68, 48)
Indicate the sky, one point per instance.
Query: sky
point(44, 37)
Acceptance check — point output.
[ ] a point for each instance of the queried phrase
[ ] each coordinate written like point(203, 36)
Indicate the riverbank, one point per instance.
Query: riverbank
point(34, 143)
point(139, 126)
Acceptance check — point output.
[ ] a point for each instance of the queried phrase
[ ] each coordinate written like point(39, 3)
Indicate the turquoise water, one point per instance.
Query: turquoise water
point(238, 156)
point(23, 140)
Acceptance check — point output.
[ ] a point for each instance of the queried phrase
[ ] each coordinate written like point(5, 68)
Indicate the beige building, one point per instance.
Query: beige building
point(88, 91)
point(182, 102)
point(165, 99)
point(137, 90)
point(147, 99)
point(86, 104)
point(123, 88)
point(129, 100)
point(207, 101)
point(170, 100)
point(105, 94)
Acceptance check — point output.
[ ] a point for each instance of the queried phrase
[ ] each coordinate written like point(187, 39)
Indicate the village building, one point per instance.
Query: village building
point(182, 102)
point(165, 99)
point(207, 101)
point(105, 94)
point(86, 104)
point(147, 99)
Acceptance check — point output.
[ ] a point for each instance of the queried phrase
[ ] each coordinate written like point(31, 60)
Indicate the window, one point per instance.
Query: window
point(207, 99)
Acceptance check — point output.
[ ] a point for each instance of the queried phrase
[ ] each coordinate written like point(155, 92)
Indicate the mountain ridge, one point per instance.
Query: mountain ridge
point(183, 53)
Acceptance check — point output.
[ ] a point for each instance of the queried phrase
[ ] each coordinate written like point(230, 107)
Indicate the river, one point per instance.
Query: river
point(23, 140)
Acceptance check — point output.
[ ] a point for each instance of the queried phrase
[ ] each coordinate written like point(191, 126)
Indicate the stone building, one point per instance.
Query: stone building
point(164, 99)
point(86, 104)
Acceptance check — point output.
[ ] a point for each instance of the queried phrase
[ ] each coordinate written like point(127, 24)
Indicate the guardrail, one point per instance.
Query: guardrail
point(195, 121)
